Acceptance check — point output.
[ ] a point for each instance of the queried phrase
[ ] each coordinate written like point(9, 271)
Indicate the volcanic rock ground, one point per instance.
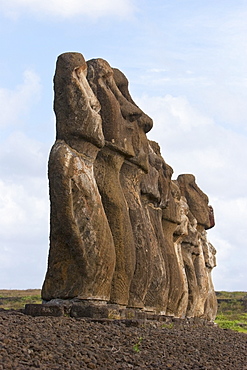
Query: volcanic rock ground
point(67, 343)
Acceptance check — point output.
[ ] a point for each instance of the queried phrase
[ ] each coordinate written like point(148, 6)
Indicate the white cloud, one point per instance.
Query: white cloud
point(23, 263)
point(158, 70)
point(22, 156)
point(23, 188)
point(193, 143)
point(15, 103)
point(226, 103)
point(24, 211)
point(172, 114)
point(66, 9)
point(229, 238)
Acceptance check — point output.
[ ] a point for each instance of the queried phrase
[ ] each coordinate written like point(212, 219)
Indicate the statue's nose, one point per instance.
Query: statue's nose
point(129, 111)
point(132, 113)
point(145, 122)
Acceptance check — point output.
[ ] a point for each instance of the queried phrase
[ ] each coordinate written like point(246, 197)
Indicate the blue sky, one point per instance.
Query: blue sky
point(186, 62)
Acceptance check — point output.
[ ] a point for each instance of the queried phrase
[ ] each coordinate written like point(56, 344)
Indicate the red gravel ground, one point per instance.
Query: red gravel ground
point(66, 343)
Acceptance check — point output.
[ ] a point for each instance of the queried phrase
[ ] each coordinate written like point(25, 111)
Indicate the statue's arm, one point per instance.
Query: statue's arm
point(63, 222)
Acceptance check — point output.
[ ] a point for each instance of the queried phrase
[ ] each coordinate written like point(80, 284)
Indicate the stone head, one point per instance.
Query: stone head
point(183, 210)
point(197, 201)
point(122, 120)
point(165, 173)
point(172, 212)
point(209, 251)
point(76, 107)
point(142, 123)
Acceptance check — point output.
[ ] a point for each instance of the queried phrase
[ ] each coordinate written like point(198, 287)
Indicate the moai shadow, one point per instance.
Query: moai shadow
point(82, 255)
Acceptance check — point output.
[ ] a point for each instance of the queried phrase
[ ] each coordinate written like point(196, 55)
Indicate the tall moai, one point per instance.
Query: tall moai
point(82, 254)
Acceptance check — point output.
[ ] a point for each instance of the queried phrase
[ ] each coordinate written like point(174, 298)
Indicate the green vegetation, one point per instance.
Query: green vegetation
point(232, 307)
point(237, 322)
point(231, 295)
point(136, 347)
point(168, 326)
point(17, 299)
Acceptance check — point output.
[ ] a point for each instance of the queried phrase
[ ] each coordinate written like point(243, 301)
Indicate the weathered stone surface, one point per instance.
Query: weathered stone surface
point(193, 247)
point(188, 245)
point(131, 176)
point(197, 200)
point(44, 310)
point(153, 196)
point(117, 114)
point(123, 233)
point(174, 222)
point(210, 306)
point(82, 254)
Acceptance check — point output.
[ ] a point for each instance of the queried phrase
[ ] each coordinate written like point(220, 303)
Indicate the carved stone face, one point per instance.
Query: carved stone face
point(144, 121)
point(164, 170)
point(142, 124)
point(182, 228)
point(150, 182)
point(76, 107)
point(211, 217)
point(209, 251)
point(172, 211)
point(120, 115)
point(197, 200)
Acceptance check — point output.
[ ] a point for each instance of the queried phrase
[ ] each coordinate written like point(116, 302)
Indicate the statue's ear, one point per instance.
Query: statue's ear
point(91, 78)
point(78, 70)
point(90, 72)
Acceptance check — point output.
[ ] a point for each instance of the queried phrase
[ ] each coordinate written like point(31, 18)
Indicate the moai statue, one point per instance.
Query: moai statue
point(201, 274)
point(201, 218)
point(154, 195)
point(197, 201)
point(188, 243)
point(118, 122)
point(82, 254)
point(211, 305)
point(131, 174)
point(175, 226)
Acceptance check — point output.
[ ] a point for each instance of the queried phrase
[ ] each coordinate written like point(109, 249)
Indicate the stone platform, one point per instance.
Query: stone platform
point(108, 312)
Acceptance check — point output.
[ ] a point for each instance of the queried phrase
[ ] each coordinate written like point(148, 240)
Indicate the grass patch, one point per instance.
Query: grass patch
point(234, 321)
point(136, 347)
point(17, 299)
point(231, 295)
point(232, 307)
point(168, 326)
